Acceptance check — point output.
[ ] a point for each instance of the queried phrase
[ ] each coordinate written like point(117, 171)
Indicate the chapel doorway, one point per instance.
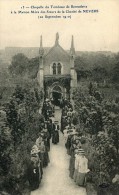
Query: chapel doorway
point(57, 95)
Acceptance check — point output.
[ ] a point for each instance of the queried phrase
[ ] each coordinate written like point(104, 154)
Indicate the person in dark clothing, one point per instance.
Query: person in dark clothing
point(63, 123)
point(33, 173)
point(68, 144)
point(49, 127)
point(55, 135)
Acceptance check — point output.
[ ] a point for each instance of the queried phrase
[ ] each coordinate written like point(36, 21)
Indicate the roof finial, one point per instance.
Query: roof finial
point(72, 49)
point(57, 39)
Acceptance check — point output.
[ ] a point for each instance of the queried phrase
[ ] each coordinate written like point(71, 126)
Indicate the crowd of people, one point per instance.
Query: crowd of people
point(40, 150)
point(78, 166)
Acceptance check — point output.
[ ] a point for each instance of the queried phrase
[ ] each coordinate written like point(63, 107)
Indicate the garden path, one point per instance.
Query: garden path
point(56, 178)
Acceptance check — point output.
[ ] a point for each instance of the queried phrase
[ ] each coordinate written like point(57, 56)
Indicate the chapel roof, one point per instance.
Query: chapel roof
point(57, 52)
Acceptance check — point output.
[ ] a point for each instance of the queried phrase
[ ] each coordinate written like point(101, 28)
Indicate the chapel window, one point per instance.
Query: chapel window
point(54, 68)
point(58, 68)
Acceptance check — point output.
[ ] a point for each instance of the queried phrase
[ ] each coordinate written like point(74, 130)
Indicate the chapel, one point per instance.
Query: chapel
point(57, 75)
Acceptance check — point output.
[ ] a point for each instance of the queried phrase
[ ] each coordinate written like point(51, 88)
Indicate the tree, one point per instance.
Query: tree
point(5, 147)
point(82, 68)
point(33, 67)
point(115, 73)
point(14, 122)
point(19, 64)
point(99, 74)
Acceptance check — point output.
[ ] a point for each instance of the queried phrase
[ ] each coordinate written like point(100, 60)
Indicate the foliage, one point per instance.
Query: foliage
point(99, 120)
point(99, 74)
point(6, 87)
point(63, 81)
point(5, 141)
point(91, 60)
point(115, 73)
point(18, 132)
point(23, 66)
point(33, 67)
point(97, 66)
point(19, 64)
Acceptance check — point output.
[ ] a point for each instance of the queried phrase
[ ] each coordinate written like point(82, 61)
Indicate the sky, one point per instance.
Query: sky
point(92, 32)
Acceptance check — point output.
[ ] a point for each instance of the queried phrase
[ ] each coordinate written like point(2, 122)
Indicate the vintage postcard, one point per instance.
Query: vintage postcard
point(59, 97)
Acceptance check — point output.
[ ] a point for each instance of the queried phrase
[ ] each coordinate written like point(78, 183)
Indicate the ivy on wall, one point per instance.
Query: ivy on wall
point(65, 82)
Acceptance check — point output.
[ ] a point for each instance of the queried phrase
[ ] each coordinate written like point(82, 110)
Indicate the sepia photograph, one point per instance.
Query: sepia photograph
point(59, 97)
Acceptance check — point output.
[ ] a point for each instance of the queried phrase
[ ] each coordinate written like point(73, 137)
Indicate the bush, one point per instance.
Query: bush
point(19, 129)
point(99, 120)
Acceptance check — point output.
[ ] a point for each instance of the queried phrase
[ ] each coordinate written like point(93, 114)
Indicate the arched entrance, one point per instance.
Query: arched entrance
point(57, 95)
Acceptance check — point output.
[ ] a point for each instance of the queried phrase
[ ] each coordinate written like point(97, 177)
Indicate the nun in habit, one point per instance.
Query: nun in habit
point(35, 151)
point(34, 170)
point(44, 150)
point(55, 135)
